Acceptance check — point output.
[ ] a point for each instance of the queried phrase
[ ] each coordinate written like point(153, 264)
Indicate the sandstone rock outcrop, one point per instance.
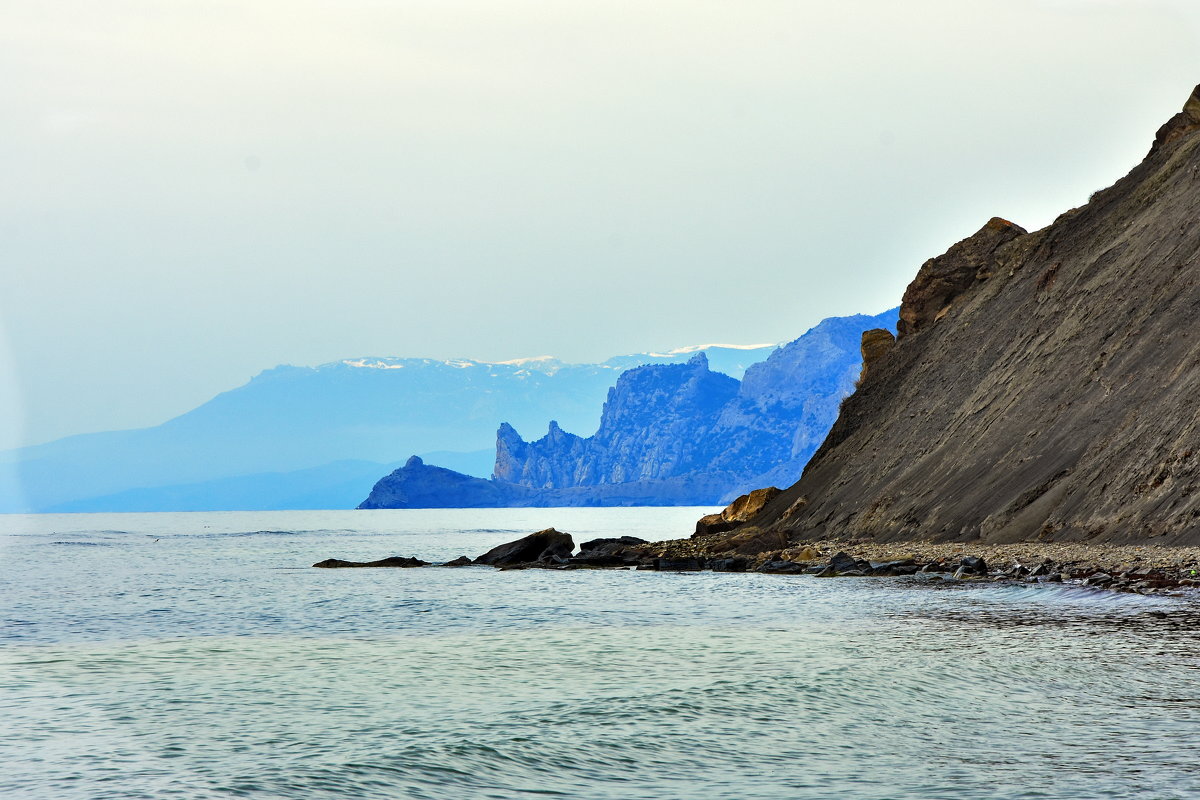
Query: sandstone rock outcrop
point(1043, 387)
point(741, 510)
point(876, 343)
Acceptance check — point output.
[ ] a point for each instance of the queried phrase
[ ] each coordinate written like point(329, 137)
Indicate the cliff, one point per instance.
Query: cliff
point(670, 434)
point(1043, 385)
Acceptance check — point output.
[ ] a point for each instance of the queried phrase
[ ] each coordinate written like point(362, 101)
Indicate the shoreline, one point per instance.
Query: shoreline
point(1141, 569)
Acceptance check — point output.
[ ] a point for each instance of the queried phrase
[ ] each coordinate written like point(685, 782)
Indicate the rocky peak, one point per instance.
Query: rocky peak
point(942, 280)
point(413, 461)
point(875, 345)
point(511, 451)
point(1183, 123)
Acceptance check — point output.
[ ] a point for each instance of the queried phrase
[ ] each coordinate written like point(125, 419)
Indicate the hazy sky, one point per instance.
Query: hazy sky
point(196, 191)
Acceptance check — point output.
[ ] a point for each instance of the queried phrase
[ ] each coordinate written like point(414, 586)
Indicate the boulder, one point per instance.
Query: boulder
point(713, 523)
point(461, 561)
point(542, 546)
point(739, 512)
point(875, 344)
point(974, 565)
point(394, 561)
point(843, 562)
point(780, 567)
point(680, 564)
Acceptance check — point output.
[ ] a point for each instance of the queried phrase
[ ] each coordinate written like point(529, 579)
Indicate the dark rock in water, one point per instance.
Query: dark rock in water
point(594, 559)
point(1042, 384)
point(394, 561)
point(461, 561)
point(733, 564)
point(974, 565)
point(1099, 579)
point(781, 567)
point(611, 552)
point(842, 562)
point(670, 434)
point(680, 564)
point(541, 546)
point(610, 545)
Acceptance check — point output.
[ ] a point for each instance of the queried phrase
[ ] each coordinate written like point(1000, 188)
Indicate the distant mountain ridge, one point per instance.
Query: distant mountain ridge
point(669, 434)
point(298, 419)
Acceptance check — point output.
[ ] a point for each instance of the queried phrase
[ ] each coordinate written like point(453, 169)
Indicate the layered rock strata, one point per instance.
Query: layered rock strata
point(1043, 386)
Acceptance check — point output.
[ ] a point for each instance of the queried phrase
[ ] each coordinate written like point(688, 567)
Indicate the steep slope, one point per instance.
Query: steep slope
point(671, 434)
point(290, 419)
point(1043, 387)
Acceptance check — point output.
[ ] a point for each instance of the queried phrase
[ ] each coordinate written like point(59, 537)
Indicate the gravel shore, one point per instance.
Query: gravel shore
point(1145, 569)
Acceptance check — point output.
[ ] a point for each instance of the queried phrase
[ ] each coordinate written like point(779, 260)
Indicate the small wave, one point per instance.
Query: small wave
point(241, 534)
point(83, 544)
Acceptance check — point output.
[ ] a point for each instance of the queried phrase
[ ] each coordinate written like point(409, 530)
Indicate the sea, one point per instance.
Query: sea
point(199, 655)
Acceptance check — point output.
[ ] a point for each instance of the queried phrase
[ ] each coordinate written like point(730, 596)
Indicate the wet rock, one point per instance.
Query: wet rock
point(974, 565)
point(734, 564)
point(623, 550)
point(594, 559)
point(780, 567)
point(394, 561)
point(611, 545)
point(680, 564)
point(461, 561)
point(842, 562)
point(748, 542)
point(1099, 579)
point(739, 512)
point(541, 546)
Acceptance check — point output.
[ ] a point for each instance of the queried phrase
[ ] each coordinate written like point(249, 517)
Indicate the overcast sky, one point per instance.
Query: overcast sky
point(196, 191)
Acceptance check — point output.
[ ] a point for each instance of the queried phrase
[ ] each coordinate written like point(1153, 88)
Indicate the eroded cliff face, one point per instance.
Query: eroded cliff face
point(1044, 386)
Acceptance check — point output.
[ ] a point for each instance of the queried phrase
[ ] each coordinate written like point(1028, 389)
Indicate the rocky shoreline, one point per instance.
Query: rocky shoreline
point(1140, 569)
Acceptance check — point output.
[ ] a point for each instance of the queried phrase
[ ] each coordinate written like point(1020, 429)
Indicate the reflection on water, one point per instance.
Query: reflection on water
point(212, 665)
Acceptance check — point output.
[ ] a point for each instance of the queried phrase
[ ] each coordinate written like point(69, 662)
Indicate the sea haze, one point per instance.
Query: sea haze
point(200, 656)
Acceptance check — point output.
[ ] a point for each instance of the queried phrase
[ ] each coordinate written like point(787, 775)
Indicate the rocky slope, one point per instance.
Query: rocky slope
point(1043, 386)
point(670, 434)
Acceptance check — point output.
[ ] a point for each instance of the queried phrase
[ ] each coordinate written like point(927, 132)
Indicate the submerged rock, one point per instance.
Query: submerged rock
point(543, 546)
point(394, 561)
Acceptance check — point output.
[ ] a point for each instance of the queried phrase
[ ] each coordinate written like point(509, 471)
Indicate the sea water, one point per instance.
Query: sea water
point(200, 656)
